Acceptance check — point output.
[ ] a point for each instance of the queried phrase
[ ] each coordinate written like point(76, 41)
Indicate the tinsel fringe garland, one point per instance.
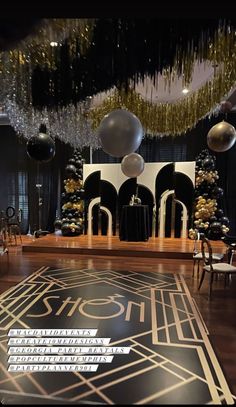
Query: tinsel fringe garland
point(77, 124)
point(69, 124)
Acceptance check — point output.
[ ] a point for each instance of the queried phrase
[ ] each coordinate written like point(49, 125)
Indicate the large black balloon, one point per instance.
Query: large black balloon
point(41, 147)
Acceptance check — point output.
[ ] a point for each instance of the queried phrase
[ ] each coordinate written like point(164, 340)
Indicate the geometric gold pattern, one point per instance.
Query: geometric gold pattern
point(171, 360)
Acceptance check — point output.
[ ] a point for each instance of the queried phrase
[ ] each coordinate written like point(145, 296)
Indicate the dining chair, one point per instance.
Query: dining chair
point(3, 246)
point(14, 224)
point(213, 268)
point(197, 254)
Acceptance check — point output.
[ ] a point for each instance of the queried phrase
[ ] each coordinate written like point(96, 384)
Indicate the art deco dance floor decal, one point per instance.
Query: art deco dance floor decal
point(171, 360)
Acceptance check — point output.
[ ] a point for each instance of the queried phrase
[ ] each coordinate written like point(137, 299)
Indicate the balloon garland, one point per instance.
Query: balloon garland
point(72, 221)
point(208, 218)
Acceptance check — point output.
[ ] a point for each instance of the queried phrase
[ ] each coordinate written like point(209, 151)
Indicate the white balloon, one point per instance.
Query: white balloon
point(120, 133)
point(132, 165)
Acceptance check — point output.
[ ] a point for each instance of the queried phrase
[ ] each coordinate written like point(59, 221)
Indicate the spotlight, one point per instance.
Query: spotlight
point(185, 91)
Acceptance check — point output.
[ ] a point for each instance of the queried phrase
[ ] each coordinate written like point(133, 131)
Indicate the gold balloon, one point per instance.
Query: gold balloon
point(221, 137)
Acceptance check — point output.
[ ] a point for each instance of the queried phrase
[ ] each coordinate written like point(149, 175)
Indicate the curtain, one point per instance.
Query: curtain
point(19, 175)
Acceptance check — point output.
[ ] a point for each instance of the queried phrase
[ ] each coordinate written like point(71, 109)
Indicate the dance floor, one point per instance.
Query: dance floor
point(151, 343)
point(112, 246)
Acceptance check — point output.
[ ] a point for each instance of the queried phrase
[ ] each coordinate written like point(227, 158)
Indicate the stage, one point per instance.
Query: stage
point(172, 248)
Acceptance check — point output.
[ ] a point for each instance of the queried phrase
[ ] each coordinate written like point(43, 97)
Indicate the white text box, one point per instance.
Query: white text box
point(61, 359)
point(52, 332)
point(52, 368)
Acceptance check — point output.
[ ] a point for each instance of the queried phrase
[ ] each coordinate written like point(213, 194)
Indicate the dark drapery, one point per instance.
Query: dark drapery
point(19, 175)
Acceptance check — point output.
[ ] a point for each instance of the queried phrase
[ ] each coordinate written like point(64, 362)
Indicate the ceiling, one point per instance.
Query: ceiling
point(160, 93)
point(13, 30)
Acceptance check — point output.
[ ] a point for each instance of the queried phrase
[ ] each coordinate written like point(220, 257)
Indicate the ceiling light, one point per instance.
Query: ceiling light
point(53, 44)
point(185, 91)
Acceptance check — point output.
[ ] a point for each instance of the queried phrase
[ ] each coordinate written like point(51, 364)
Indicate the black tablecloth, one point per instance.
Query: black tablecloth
point(134, 223)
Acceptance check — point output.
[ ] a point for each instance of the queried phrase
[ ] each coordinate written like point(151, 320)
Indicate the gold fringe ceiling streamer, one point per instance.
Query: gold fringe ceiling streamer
point(176, 118)
point(56, 30)
point(16, 67)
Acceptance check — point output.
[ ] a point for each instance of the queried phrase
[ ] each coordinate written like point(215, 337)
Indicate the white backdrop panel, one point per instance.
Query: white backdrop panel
point(114, 174)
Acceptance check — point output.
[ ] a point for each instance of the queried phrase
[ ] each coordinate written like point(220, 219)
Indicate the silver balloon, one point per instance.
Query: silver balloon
point(132, 165)
point(120, 133)
point(221, 137)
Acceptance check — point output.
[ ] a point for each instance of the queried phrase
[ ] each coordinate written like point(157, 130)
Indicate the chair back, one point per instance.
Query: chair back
point(13, 218)
point(207, 252)
point(197, 244)
point(3, 243)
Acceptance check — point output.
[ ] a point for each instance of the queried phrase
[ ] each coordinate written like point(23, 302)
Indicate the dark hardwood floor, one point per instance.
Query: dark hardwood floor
point(218, 314)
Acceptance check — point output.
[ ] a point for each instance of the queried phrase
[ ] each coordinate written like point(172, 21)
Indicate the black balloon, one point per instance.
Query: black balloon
point(57, 224)
point(213, 219)
point(215, 227)
point(199, 162)
point(217, 192)
point(81, 193)
point(219, 213)
point(205, 152)
point(224, 220)
point(208, 163)
point(71, 161)
point(70, 170)
point(41, 147)
point(65, 229)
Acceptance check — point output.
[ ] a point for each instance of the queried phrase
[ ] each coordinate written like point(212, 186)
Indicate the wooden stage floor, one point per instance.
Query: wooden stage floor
point(173, 248)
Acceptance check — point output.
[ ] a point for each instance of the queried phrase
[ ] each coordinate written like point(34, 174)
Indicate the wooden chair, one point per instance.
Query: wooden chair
point(13, 224)
point(213, 268)
point(3, 247)
point(230, 242)
point(197, 254)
